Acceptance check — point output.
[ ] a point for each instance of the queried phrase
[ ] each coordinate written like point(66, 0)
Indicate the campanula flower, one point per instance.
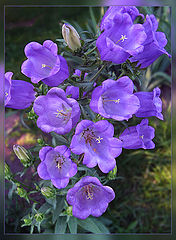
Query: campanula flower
point(153, 45)
point(89, 197)
point(107, 20)
point(56, 165)
point(139, 136)
point(56, 112)
point(122, 40)
point(44, 64)
point(150, 104)
point(18, 94)
point(97, 143)
point(71, 36)
point(115, 99)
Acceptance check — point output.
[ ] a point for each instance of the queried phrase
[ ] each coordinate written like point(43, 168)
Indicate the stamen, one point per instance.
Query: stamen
point(6, 94)
point(59, 159)
point(98, 139)
point(89, 194)
point(44, 65)
point(123, 38)
point(142, 136)
point(116, 101)
point(60, 113)
point(58, 165)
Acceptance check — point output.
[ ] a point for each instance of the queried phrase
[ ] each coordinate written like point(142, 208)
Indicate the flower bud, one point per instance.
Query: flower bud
point(68, 211)
point(39, 217)
point(41, 142)
point(112, 174)
point(21, 192)
point(48, 192)
point(23, 155)
point(71, 36)
point(27, 222)
point(8, 173)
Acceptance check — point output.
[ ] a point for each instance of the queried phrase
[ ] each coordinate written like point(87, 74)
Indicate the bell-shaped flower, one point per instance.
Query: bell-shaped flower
point(89, 197)
point(150, 104)
point(115, 99)
point(18, 94)
point(44, 64)
point(107, 20)
point(122, 40)
point(139, 136)
point(56, 112)
point(71, 36)
point(97, 143)
point(153, 45)
point(56, 165)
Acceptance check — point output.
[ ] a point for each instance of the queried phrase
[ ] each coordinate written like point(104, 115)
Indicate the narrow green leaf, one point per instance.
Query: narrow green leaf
point(60, 225)
point(92, 225)
point(94, 23)
point(72, 224)
point(59, 207)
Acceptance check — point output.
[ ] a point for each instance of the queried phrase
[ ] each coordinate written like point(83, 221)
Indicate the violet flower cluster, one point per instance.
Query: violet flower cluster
point(59, 109)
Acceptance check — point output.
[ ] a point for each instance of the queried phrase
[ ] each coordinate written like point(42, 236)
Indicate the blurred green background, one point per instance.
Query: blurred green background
point(143, 187)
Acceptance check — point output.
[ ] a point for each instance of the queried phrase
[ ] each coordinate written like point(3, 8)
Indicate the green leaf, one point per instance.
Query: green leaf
point(72, 224)
point(94, 23)
point(59, 140)
point(44, 208)
point(132, 226)
point(93, 225)
point(59, 207)
point(60, 225)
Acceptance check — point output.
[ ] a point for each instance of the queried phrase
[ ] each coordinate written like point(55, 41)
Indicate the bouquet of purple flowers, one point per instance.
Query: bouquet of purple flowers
point(77, 98)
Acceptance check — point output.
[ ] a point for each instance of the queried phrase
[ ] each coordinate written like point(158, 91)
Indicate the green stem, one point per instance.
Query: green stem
point(22, 184)
point(89, 52)
point(33, 200)
point(80, 93)
point(98, 73)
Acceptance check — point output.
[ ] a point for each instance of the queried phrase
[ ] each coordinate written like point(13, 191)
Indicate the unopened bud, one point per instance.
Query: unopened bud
point(27, 222)
point(68, 211)
point(21, 192)
point(39, 217)
point(41, 142)
point(112, 174)
point(71, 36)
point(8, 173)
point(23, 155)
point(48, 192)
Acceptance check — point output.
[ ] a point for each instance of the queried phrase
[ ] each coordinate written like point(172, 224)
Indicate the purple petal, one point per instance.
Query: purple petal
point(43, 152)
point(60, 183)
point(42, 171)
point(22, 94)
point(95, 97)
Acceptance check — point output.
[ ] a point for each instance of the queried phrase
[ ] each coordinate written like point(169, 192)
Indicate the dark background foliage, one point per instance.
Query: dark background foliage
point(143, 184)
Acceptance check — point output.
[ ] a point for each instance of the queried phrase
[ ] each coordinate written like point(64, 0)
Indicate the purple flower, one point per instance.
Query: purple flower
point(56, 112)
point(43, 64)
point(89, 197)
point(74, 91)
point(56, 165)
point(122, 40)
point(153, 45)
point(150, 104)
point(18, 94)
point(107, 19)
point(115, 99)
point(97, 143)
point(139, 136)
